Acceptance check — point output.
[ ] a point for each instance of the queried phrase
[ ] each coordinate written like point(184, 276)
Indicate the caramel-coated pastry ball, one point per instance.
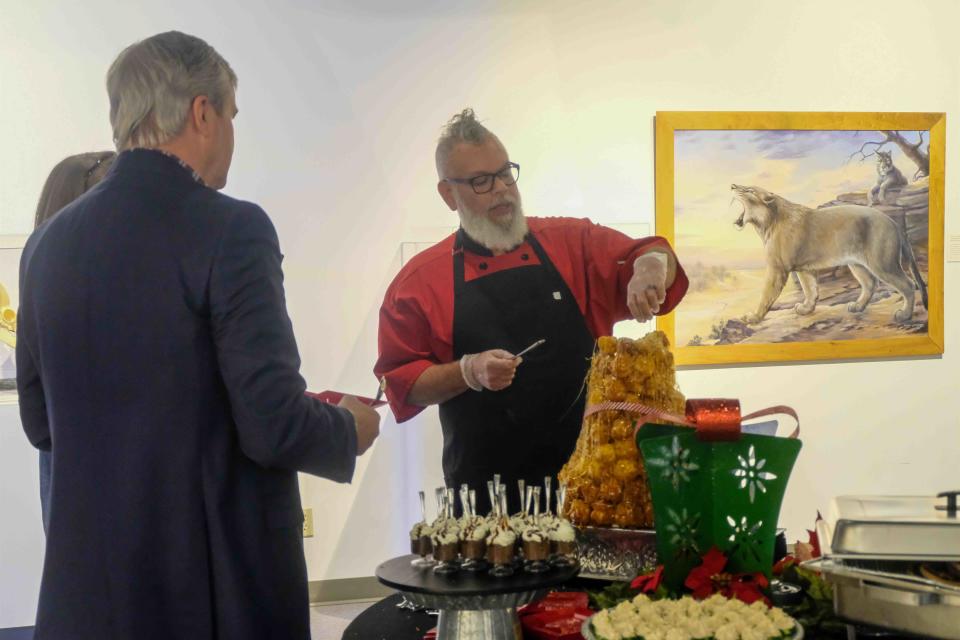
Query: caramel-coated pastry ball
point(622, 366)
point(611, 490)
point(607, 345)
point(579, 512)
point(590, 492)
point(606, 453)
point(602, 515)
point(633, 491)
point(597, 469)
point(616, 391)
point(626, 469)
point(622, 429)
point(600, 434)
point(626, 450)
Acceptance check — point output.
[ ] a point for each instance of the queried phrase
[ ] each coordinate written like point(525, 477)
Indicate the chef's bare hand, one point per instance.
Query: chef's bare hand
point(646, 290)
point(493, 370)
point(367, 422)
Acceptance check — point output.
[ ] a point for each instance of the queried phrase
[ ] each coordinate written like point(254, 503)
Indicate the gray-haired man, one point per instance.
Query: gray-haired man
point(157, 363)
point(456, 313)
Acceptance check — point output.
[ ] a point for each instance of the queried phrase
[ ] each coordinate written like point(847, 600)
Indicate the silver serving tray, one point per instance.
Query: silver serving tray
point(587, 631)
point(882, 597)
point(890, 528)
point(608, 553)
point(474, 603)
point(901, 540)
point(615, 554)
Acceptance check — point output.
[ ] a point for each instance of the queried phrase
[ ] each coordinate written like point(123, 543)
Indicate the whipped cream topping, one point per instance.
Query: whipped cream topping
point(417, 531)
point(502, 536)
point(476, 532)
point(447, 533)
point(534, 534)
point(563, 531)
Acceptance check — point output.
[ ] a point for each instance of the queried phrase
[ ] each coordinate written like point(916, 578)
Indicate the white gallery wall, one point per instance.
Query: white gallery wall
point(340, 106)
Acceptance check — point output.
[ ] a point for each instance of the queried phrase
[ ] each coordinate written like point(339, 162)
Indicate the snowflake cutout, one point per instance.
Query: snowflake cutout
point(745, 535)
point(675, 463)
point(751, 474)
point(682, 529)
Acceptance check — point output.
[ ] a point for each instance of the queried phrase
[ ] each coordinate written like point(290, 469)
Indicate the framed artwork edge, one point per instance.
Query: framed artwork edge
point(666, 123)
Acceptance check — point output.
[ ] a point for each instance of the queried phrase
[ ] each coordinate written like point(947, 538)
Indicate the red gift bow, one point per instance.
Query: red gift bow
point(715, 419)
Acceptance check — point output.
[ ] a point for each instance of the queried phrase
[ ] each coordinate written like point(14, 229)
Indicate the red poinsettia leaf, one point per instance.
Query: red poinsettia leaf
point(714, 561)
point(648, 582)
point(813, 538)
point(814, 541)
point(747, 594)
point(747, 587)
point(785, 563)
point(653, 584)
point(761, 580)
point(699, 580)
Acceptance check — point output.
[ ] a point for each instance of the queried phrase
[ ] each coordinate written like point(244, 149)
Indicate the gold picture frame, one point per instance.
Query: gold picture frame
point(704, 159)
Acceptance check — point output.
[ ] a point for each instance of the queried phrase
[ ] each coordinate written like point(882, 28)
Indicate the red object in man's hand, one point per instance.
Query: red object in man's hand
point(334, 397)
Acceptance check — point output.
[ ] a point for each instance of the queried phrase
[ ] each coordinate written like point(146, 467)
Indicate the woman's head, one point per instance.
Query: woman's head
point(69, 180)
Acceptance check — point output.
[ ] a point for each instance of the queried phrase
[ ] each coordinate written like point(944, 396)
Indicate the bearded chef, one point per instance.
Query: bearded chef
point(456, 314)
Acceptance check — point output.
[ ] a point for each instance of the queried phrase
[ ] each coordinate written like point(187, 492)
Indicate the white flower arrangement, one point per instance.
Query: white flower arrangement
point(716, 618)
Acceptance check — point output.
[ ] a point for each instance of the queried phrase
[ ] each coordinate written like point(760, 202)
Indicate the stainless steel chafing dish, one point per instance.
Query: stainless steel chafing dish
point(890, 560)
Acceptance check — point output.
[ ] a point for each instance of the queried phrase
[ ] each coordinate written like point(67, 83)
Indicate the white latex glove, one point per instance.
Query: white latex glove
point(493, 370)
point(646, 290)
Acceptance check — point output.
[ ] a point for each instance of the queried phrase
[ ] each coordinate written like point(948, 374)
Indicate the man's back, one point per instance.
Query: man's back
point(158, 358)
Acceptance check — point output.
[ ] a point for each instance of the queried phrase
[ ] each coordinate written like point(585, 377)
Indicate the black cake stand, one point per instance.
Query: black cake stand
point(473, 606)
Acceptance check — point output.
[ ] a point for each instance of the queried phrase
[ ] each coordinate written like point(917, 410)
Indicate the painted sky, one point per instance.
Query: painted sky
point(807, 167)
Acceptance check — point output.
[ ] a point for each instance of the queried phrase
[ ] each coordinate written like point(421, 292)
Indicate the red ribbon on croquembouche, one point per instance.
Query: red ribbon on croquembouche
point(715, 419)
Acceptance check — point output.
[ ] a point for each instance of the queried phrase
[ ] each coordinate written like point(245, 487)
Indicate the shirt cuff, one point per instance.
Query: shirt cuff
point(399, 383)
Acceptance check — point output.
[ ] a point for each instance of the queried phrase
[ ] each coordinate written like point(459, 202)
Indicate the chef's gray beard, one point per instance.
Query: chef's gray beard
point(495, 235)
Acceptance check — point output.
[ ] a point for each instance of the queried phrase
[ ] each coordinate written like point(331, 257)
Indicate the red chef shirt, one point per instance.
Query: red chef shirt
point(416, 318)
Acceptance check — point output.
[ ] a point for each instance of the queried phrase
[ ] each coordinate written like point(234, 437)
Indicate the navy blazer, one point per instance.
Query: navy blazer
point(157, 362)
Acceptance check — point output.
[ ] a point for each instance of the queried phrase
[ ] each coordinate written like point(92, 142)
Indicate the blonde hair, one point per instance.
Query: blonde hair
point(69, 179)
point(152, 84)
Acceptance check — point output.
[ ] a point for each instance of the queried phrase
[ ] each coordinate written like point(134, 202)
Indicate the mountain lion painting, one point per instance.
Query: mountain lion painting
point(803, 240)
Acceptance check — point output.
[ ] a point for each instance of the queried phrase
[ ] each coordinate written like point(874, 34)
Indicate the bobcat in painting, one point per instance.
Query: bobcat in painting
point(888, 177)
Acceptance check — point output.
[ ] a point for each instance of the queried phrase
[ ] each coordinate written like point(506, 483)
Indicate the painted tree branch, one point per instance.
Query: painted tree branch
point(912, 151)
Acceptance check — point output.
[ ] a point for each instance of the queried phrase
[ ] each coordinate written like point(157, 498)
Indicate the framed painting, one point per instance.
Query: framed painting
point(805, 236)
point(11, 246)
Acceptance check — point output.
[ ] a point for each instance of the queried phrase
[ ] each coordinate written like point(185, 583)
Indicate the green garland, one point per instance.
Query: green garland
point(815, 613)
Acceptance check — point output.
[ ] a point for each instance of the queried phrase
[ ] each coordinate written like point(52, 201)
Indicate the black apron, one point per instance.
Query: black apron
point(529, 429)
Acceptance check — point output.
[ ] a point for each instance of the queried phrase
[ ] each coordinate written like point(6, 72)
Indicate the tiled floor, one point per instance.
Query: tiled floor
point(328, 621)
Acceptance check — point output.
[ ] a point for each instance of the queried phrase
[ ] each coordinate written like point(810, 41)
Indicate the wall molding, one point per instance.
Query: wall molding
point(346, 590)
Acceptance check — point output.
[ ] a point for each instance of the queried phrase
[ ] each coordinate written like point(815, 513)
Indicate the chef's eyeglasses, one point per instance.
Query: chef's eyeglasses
point(484, 182)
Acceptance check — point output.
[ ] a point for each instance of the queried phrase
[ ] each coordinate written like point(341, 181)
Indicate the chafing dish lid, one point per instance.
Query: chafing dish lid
point(893, 527)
